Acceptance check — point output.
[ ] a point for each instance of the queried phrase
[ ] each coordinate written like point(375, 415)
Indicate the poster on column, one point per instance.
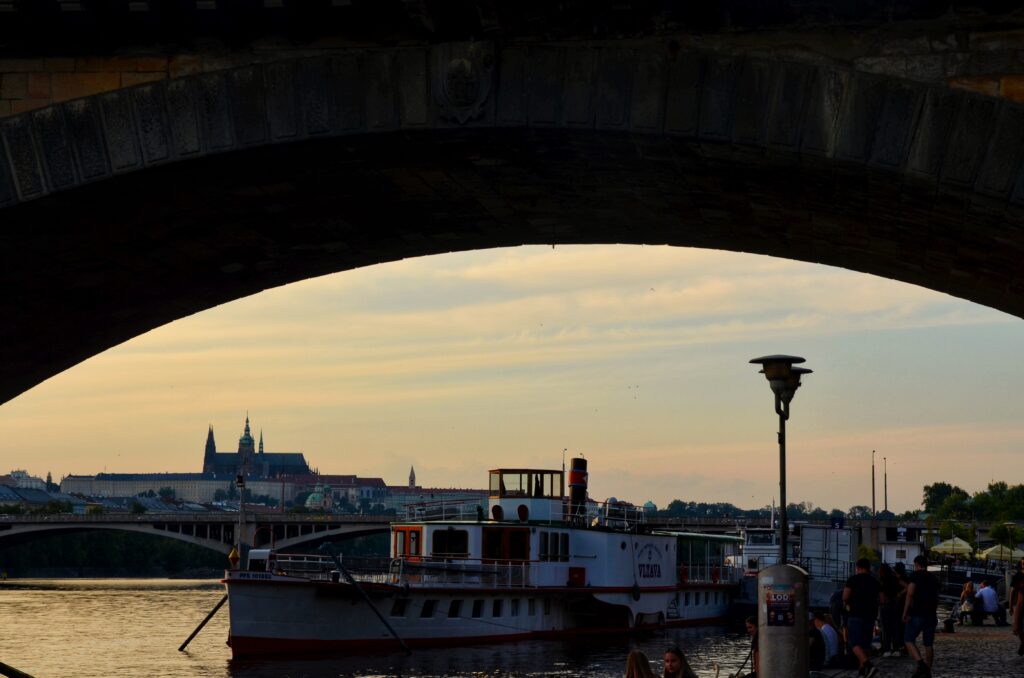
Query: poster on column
point(780, 600)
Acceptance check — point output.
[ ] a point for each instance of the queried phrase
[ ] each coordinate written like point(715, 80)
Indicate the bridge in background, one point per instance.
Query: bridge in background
point(213, 531)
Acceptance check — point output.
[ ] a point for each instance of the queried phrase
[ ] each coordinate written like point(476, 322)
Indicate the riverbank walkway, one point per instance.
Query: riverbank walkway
point(970, 652)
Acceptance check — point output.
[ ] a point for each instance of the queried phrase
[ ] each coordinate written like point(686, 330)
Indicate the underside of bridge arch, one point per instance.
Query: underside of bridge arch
point(88, 268)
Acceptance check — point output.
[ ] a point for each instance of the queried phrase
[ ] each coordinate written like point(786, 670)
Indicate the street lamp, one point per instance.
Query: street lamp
point(784, 380)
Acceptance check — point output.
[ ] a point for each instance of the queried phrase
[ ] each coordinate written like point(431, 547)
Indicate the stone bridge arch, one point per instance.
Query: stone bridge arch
point(132, 208)
point(211, 532)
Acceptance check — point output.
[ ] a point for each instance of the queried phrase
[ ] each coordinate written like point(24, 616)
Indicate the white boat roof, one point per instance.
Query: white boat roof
point(700, 535)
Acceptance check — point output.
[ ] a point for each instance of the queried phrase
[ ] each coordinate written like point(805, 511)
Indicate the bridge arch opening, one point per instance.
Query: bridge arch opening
point(635, 354)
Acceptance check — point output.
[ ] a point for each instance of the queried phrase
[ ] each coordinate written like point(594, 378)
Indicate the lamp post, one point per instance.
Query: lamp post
point(243, 547)
point(784, 380)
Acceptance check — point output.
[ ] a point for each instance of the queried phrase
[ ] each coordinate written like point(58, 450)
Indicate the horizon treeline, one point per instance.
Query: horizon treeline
point(940, 501)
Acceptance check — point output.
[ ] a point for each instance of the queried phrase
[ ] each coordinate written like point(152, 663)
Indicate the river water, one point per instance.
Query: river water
point(129, 627)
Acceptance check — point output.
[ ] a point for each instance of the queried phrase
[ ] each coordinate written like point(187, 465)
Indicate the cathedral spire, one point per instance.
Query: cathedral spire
point(210, 453)
point(261, 442)
point(412, 477)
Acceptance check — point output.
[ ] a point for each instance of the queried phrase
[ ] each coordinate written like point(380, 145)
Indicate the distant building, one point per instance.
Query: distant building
point(267, 474)
point(21, 478)
point(249, 461)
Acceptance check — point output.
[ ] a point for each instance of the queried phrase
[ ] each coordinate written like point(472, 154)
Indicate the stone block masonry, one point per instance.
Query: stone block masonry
point(28, 84)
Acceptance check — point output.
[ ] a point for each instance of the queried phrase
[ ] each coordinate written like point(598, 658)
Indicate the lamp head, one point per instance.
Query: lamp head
point(778, 370)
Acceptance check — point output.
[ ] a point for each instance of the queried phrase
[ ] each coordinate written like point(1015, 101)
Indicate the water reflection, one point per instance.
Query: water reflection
point(127, 627)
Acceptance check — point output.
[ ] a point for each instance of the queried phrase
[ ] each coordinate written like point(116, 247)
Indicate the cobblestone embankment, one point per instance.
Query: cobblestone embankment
point(970, 652)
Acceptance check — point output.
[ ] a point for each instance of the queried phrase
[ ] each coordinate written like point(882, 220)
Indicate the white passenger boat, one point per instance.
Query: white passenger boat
point(537, 564)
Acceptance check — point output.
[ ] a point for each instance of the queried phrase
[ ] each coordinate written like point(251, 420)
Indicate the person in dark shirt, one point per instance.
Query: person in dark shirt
point(890, 612)
point(1015, 602)
point(861, 598)
point(919, 616)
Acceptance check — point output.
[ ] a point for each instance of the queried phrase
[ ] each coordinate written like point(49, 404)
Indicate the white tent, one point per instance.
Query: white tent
point(1000, 552)
point(953, 547)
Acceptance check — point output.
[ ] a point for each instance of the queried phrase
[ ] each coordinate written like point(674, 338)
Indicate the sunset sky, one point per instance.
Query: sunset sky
point(635, 357)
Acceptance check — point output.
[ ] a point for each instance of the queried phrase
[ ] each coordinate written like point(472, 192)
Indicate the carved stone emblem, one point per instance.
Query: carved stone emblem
point(463, 74)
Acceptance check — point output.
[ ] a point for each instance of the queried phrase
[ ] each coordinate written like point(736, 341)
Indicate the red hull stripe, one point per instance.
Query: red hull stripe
point(249, 646)
point(390, 589)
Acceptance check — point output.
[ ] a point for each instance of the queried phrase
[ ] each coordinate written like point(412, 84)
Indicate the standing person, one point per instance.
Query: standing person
point(919, 616)
point(676, 665)
point(1016, 584)
point(638, 666)
point(966, 601)
point(861, 595)
point(900, 570)
point(889, 585)
point(1017, 602)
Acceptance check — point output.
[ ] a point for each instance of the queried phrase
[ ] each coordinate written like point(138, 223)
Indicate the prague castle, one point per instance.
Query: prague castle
point(269, 473)
point(258, 465)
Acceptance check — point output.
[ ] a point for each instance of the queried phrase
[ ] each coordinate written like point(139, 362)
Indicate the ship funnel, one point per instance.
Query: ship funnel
point(578, 489)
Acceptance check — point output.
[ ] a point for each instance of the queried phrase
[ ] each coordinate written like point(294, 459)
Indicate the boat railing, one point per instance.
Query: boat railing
point(426, 572)
point(459, 509)
point(704, 573)
point(616, 515)
point(320, 567)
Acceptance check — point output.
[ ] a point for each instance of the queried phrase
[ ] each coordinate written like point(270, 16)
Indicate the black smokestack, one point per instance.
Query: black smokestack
point(578, 488)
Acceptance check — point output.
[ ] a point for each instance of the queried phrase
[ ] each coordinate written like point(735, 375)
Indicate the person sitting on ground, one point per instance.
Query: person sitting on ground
point(966, 602)
point(755, 655)
point(830, 636)
point(986, 602)
point(638, 666)
point(676, 665)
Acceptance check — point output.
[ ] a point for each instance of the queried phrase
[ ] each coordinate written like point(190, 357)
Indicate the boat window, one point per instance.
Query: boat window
point(514, 608)
point(454, 608)
point(543, 546)
point(563, 552)
point(518, 545)
point(414, 543)
point(427, 610)
point(716, 597)
point(496, 607)
point(531, 607)
point(399, 543)
point(760, 537)
point(506, 543)
point(398, 607)
point(478, 609)
point(707, 597)
point(547, 606)
point(514, 484)
point(523, 483)
point(450, 542)
point(492, 544)
point(686, 598)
